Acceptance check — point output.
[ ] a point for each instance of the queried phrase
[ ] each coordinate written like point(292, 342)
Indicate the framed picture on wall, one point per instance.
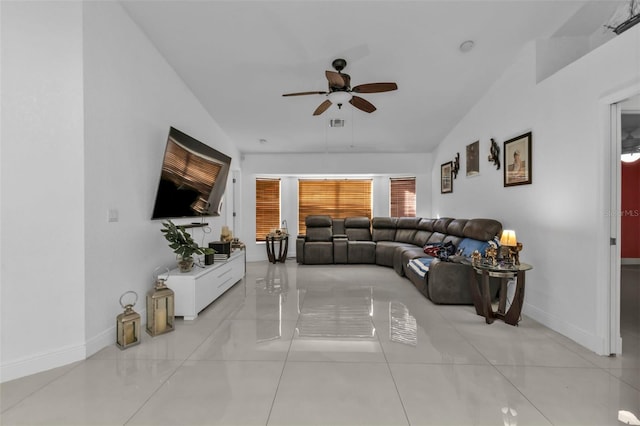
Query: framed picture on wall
point(473, 159)
point(518, 160)
point(446, 179)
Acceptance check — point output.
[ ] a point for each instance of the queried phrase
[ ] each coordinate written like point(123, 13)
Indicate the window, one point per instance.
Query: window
point(335, 198)
point(403, 197)
point(267, 206)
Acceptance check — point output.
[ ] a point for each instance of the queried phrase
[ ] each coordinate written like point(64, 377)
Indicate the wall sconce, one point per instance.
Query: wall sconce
point(160, 308)
point(512, 246)
point(494, 154)
point(456, 166)
point(128, 324)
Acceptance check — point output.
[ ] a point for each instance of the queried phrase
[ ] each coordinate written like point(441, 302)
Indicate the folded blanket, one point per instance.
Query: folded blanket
point(420, 265)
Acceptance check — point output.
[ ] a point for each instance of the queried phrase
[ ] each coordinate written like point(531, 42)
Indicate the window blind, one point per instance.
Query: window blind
point(335, 198)
point(267, 207)
point(403, 197)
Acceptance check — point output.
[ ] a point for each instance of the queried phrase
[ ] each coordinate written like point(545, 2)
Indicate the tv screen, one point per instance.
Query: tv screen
point(193, 179)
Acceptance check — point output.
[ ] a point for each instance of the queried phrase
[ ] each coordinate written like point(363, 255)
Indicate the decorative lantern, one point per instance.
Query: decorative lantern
point(160, 309)
point(128, 324)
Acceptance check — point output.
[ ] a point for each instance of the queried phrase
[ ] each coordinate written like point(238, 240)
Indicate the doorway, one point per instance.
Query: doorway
point(630, 225)
point(625, 226)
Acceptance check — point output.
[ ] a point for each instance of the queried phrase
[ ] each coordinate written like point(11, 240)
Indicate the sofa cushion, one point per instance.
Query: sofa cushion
point(357, 222)
point(426, 224)
point(456, 227)
point(482, 229)
point(358, 234)
point(441, 224)
point(384, 228)
point(407, 228)
point(318, 228)
point(320, 253)
point(358, 228)
point(424, 231)
point(319, 234)
point(316, 221)
point(436, 237)
point(362, 252)
point(421, 237)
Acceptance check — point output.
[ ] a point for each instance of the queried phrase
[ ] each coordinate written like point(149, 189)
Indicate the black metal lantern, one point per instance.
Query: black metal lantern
point(128, 324)
point(160, 309)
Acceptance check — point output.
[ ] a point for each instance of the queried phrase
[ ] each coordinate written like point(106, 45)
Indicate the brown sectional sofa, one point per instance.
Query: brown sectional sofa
point(395, 242)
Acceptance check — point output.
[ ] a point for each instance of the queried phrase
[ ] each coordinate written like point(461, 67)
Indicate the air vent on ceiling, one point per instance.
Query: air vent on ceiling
point(336, 122)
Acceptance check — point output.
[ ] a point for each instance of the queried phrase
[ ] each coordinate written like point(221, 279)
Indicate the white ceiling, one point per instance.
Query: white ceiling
point(239, 57)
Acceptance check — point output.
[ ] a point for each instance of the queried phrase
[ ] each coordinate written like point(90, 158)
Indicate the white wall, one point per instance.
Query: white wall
point(379, 167)
point(561, 218)
point(42, 189)
point(132, 97)
point(86, 110)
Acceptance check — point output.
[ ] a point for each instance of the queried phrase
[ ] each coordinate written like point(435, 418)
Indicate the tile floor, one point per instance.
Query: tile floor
point(347, 345)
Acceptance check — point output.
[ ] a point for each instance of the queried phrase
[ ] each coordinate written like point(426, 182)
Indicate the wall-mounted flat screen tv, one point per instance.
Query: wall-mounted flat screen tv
point(193, 179)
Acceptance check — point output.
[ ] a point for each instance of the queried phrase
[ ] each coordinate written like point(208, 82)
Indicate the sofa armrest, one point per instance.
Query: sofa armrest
point(340, 243)
point(449, 282)
point(300, 248)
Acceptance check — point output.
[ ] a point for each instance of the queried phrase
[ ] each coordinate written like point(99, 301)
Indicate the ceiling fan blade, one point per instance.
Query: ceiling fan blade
point(362, 104)
point(304, 93)
point(336, 80)
point(375, 87)
point(323, 107)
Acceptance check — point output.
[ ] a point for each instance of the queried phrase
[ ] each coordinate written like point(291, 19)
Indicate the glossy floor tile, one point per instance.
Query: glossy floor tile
point(340, 345)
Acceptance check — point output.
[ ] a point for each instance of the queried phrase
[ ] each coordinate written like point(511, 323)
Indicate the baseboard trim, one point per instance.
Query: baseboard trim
point(578, 335)
point(41, 362)
point(629, 261)
point(102, 340)
point(62, 356)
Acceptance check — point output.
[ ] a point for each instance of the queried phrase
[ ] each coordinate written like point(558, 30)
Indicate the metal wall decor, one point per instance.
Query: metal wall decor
point(456, 166)
point(494, 154)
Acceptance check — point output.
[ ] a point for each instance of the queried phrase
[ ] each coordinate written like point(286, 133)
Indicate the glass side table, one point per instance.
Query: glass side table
point(283, 246)
point(482, 297)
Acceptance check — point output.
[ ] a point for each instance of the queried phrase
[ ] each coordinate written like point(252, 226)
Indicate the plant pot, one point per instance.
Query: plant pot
point(186, 264)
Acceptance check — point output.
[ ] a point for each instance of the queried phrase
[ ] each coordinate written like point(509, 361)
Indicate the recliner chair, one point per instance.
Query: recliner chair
point(316, 246)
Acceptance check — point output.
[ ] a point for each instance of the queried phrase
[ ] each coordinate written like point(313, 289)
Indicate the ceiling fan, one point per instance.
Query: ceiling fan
point(340, 90)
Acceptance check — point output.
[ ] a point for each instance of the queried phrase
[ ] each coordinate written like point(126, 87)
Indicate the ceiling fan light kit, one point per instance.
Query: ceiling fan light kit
point(339, 97)
point(340, 90)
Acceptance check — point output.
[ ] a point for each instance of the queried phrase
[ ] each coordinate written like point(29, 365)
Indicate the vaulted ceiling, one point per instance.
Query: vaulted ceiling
point(239, 57)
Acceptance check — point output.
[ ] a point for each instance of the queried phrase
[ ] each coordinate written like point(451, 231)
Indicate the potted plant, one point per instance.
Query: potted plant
point(182, 245)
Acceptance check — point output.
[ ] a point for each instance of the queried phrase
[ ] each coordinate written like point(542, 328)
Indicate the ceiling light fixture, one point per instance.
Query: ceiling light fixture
point(339, 97)
point(466, 46)
point(630, 158)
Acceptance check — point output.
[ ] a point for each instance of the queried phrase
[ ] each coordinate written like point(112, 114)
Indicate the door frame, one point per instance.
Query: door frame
point(613, 340)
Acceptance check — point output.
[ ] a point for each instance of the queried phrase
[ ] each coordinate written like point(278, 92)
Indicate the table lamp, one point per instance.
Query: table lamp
point(512, 247)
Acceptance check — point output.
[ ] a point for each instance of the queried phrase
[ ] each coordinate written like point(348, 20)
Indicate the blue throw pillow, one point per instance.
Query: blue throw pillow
point(469, 245)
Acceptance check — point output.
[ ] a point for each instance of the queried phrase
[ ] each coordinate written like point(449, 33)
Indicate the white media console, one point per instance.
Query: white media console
point(197, 289)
